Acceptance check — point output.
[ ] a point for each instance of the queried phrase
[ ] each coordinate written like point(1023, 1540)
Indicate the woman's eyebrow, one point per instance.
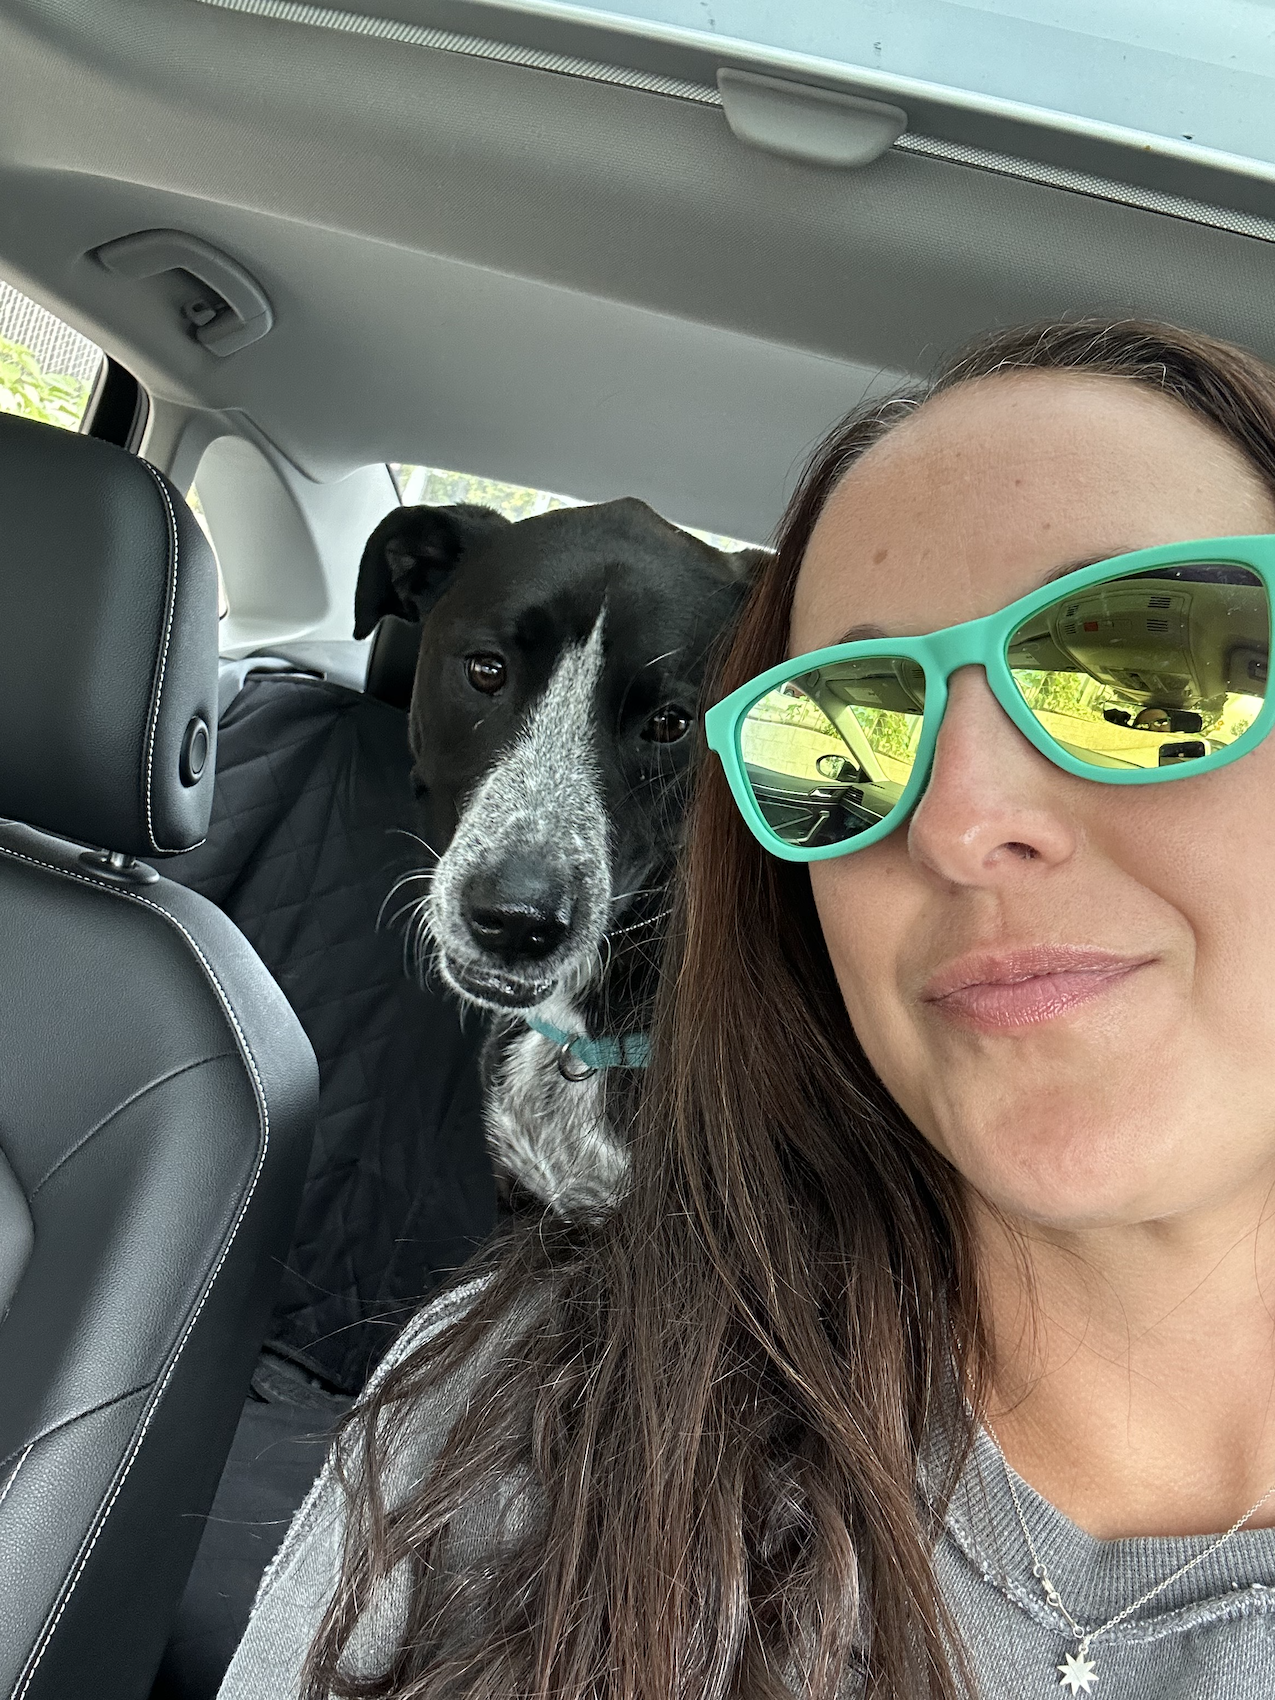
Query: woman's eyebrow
point(1075, 566)
point(861, 634)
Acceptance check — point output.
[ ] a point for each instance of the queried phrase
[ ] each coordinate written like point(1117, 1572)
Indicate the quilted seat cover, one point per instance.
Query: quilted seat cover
point(312, 822)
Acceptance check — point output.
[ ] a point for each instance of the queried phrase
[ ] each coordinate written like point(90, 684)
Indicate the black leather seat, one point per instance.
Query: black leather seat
point(157, 1095)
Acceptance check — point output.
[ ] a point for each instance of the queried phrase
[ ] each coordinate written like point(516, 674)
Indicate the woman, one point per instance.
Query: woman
point(954, 1172)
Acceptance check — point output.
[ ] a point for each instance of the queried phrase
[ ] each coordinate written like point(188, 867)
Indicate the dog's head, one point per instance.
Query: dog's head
point(552, 724)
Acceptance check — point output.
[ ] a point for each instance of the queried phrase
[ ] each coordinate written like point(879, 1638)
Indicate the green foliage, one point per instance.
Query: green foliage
point(436, 488)
point(1058, 692)
point(26, 389)
point(782, 709)
point(433, 487)
point(888, 733)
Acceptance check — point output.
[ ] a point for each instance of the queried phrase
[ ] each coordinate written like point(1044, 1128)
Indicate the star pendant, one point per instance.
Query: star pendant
point(1077, 1674)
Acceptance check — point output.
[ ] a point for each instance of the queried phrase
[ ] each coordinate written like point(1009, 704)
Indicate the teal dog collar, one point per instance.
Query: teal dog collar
point(629, 1050)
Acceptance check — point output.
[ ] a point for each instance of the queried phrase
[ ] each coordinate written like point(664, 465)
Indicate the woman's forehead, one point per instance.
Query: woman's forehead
point(989, 489)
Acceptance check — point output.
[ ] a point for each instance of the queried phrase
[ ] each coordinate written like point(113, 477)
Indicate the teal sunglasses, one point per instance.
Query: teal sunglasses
point(1141, 669)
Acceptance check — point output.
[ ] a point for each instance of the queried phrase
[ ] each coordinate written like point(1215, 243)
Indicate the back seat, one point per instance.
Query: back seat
point(312, 824)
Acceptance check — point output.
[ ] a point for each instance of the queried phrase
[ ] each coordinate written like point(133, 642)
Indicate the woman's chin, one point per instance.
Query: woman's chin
point(1081, 1172)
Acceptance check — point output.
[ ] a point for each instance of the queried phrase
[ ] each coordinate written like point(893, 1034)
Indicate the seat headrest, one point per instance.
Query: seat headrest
point(391, 666)
point(108, 646)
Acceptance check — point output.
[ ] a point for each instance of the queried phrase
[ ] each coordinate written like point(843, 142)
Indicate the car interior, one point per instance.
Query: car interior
point(260, 259)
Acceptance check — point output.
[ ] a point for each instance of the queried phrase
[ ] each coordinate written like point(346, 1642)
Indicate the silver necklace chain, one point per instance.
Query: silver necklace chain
point(1078, 1672)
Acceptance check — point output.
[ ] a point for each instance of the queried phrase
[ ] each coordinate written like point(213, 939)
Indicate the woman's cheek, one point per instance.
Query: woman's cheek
point(863, 928)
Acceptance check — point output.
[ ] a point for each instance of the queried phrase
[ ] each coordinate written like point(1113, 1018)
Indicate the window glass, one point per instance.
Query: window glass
point(197, 508)
point(47, 370)
point(433, 487)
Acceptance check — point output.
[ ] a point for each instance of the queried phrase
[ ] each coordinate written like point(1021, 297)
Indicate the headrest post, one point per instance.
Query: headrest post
point(118, 867)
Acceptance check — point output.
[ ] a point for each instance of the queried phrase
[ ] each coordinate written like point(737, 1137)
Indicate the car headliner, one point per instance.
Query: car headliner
point(559, 276)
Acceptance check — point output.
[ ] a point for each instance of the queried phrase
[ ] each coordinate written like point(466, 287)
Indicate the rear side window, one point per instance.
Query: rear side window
point(437, 488)
point(433, 487)
point(197, 508)
point(47, 370)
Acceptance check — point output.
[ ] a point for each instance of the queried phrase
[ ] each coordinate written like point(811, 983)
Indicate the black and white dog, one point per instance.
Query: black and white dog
point(551, 724)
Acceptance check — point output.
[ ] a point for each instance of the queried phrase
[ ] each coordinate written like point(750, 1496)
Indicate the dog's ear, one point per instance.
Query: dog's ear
point(744, 565)
point(410, 558)
point(738, 570)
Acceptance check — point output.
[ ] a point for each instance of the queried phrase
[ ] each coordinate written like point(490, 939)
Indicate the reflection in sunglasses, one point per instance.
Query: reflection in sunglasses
point(1118, 675)
point(824, 759)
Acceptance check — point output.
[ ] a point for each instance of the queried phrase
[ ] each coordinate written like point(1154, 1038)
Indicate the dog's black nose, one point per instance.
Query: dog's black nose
point(517, 933)
point(519, 911)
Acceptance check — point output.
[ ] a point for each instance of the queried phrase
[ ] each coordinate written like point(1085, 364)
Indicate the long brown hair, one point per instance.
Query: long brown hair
point(718, 1393)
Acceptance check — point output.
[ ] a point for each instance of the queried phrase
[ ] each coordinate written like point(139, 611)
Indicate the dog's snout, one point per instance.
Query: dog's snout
point(519, 911)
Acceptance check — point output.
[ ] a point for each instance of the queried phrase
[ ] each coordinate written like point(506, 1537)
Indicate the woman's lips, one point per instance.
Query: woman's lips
point(1018, 988)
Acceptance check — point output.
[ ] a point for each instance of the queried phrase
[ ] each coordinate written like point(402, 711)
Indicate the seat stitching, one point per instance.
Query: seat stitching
point(13, 1474)
point(126, 1104)
point(77, 1416)
point(169, 613)
point(27, 1676)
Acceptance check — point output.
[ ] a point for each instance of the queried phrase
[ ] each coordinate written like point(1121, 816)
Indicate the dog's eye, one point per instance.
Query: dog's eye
point(485, 673)
point(667, 725)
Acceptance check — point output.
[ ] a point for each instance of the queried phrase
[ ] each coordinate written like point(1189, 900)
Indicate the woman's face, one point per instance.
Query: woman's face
point(1068, 986)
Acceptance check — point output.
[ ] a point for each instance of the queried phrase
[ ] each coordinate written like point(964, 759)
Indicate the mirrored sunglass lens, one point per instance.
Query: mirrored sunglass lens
point(828, 753)
point(1157, 669)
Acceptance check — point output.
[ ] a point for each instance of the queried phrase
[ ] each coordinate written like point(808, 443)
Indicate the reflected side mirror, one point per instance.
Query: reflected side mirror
point(841, 769)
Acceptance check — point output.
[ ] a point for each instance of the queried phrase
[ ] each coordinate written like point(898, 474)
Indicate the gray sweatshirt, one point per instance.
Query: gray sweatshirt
point(1211, 1636)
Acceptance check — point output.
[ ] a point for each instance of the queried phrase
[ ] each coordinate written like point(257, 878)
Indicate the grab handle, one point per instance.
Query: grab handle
point(238, 312)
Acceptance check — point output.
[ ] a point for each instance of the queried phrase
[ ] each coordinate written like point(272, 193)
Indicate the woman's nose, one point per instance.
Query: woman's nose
point(993, 807)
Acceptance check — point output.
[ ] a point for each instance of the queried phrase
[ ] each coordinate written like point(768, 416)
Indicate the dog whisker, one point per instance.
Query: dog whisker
point(425, 874)
point(418, 938)
point(636, 926)
point(653, 662)
point(415, 874)
point(404, 832)
point(667, 656)
point(396, 917)
point(403, 880)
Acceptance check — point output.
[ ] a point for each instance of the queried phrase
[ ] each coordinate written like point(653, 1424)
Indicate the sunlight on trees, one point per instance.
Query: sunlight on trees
point(27, 390)
point(430, 486)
